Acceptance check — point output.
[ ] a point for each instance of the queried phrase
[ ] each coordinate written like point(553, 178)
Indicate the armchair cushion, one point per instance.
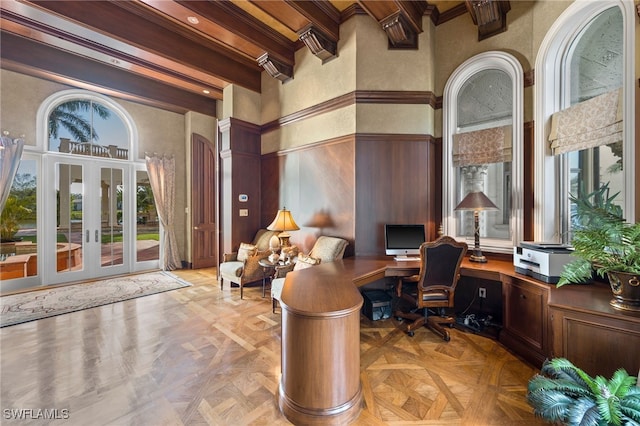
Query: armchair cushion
point(246, 251)
point(328, 249)
point(232, 268)
point(305, 262)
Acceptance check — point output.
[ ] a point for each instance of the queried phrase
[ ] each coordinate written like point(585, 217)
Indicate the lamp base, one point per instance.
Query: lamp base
point(284, 239)
point(475, 258)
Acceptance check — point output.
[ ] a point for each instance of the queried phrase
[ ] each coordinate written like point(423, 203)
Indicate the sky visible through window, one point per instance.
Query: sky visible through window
point(111, 131)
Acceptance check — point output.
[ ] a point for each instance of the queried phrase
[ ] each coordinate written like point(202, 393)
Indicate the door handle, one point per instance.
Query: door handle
point(96, 235)
point(87, 235)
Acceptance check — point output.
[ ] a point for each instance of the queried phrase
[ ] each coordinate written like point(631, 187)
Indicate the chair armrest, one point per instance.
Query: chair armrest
point(446, 288)
point(230, 257)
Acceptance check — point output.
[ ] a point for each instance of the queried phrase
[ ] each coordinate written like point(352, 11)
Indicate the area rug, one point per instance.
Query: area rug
point(33, 305)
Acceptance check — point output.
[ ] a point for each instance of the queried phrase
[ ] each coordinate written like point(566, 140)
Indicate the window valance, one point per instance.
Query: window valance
point(482, 146)
point(594, 122)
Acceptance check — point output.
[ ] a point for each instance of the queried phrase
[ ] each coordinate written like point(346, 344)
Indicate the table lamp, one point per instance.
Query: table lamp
point(283, 222)
point(476, 201)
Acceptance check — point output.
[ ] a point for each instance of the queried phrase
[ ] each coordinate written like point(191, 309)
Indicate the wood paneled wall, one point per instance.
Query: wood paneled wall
point(396, 181)
point(362, 181)
point(239, 174)
point(313, 179)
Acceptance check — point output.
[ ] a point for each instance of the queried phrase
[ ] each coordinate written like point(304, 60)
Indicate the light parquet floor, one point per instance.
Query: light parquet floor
point(201, 356)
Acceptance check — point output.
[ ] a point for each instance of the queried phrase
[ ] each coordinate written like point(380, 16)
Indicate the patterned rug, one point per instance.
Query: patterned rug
point(33, 305)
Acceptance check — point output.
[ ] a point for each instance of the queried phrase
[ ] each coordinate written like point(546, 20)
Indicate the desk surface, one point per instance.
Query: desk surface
point(332, 280)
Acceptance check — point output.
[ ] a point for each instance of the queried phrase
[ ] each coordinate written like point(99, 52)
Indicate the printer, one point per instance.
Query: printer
point(542, 261)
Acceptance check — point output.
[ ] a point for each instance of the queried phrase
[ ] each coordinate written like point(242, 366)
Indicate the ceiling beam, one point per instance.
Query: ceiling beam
point(33, 58)
point(127, 21)
point(400, 19)
point(237, 29)
point(489, 15)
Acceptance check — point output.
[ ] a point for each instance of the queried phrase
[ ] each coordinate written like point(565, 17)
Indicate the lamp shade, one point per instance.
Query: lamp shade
point(476, 201)
point(283, 222)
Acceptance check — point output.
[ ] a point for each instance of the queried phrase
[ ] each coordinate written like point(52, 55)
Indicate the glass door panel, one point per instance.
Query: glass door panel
point(147, 222)
point(69, 241)
point(111, 217)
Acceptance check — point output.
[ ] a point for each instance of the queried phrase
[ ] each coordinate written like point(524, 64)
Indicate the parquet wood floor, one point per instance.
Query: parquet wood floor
point(201, 356)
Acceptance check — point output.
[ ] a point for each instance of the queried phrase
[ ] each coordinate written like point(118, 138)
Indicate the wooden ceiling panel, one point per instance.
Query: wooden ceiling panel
point(165, 38)
point(182, 48)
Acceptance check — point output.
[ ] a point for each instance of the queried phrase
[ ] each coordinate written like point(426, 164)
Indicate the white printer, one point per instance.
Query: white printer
point(542, 261)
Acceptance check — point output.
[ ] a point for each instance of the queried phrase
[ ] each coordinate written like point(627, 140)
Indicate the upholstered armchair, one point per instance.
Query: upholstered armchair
point(242, 267)
point(326, 249)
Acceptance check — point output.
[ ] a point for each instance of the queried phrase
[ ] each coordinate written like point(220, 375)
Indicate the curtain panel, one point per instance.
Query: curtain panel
point(162, 173)
point(594, 122)
point(484, 146)
point(10, 154)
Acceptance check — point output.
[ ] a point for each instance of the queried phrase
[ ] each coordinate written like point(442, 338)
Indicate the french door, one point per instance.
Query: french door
point(87, 219)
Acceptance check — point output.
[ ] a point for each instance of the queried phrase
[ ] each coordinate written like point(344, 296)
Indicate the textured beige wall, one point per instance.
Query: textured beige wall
point(313, 82)
point(380, 68)
point(528, 22)
point(314, 129)
point(392, 118)
point(242, 104)
point(364, 63)
point(20, 98)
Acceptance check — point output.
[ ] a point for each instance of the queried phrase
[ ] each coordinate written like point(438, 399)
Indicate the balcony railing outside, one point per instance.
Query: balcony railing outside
point(92, 149)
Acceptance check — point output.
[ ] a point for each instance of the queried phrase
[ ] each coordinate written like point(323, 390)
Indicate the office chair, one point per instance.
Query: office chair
point(434, 287)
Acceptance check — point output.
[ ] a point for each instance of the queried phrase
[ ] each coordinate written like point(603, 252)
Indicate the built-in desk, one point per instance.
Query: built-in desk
point(321, 330)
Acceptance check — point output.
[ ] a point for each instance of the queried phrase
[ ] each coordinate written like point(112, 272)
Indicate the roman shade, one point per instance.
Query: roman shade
point(482, 146)
point(588, 124)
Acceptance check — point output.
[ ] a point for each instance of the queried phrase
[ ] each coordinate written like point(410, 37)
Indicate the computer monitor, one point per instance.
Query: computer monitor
point(403, 241)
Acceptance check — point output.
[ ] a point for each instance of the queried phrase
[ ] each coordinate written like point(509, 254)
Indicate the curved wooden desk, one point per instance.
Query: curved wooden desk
point(320, 381)
point(321, 330)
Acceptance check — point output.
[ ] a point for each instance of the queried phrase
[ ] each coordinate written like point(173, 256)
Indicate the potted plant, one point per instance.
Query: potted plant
point(605, 243)
point(12, 213)
point(563, 393)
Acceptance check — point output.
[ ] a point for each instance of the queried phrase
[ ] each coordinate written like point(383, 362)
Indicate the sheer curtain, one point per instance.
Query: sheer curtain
point(10, 153)
point(162, 172)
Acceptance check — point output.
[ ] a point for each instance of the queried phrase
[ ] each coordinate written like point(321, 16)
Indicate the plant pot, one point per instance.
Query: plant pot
point(626, 290)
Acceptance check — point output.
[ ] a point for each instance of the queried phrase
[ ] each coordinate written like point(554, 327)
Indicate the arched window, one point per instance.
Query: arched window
point(80, 122)
point(584, 118)
point(482, 145)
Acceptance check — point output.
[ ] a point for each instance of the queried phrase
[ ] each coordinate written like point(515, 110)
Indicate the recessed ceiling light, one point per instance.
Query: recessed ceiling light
point(193, 20)
point(206, 92)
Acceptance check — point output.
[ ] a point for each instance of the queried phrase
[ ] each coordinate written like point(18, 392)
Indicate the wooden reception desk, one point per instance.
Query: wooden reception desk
point(321, 305)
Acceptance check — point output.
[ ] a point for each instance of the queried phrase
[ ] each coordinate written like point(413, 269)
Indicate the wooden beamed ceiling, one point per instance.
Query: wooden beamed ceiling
point(180, 55)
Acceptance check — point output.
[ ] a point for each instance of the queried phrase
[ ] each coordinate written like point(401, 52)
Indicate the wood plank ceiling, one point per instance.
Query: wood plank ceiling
point(180, 55)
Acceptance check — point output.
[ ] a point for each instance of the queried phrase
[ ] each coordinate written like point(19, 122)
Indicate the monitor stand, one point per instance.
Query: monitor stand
point(406, 258)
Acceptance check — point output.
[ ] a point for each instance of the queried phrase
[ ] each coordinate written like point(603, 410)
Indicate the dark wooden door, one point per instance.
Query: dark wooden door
point(203, 202)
